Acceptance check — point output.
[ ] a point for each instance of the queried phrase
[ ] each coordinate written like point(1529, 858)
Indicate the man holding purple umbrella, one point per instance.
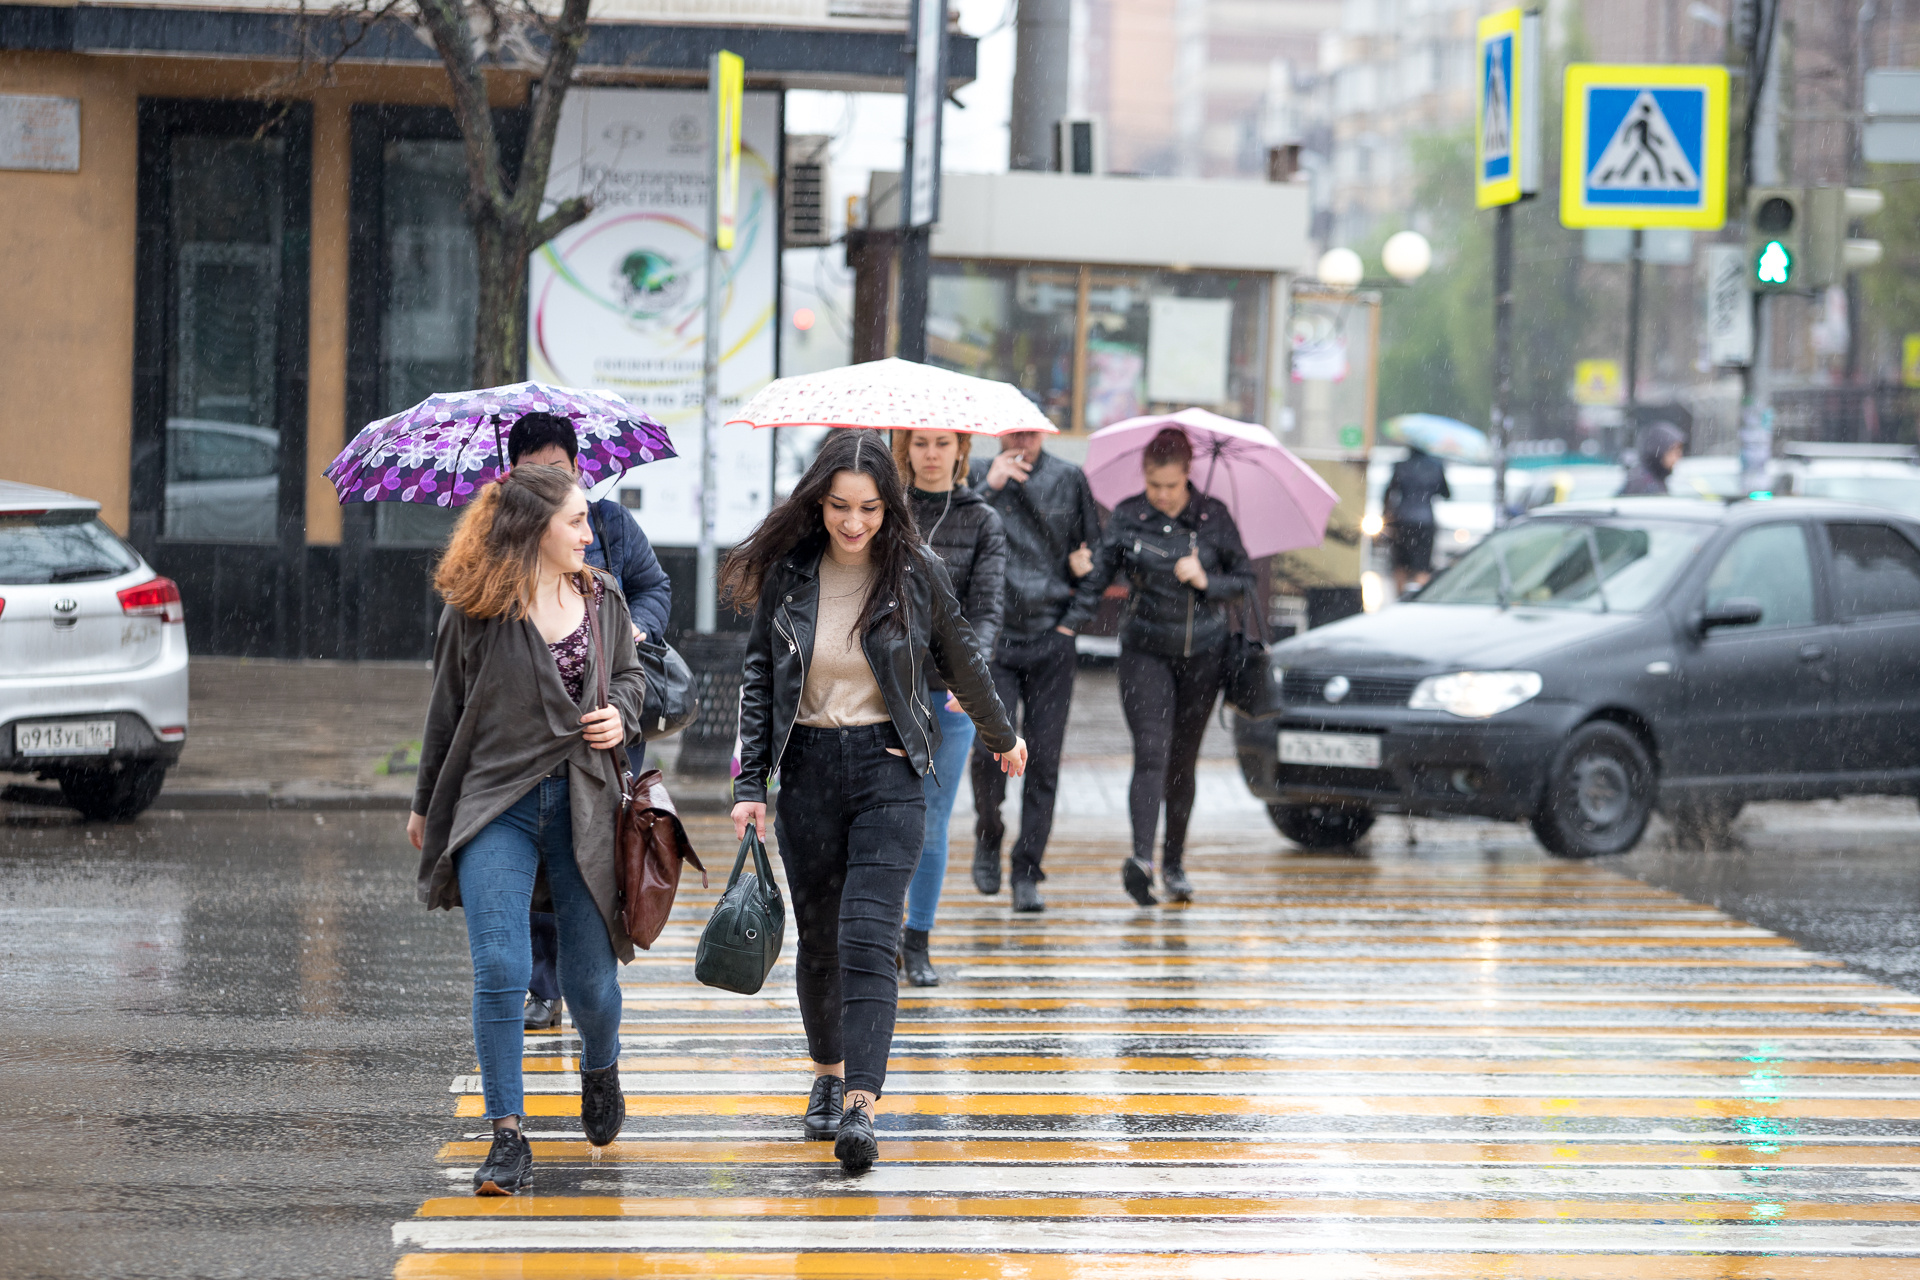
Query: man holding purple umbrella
point(621, 548)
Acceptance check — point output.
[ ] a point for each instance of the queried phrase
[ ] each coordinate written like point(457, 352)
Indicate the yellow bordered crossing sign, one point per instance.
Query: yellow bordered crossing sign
point(1506, 146)
point(1644, 146)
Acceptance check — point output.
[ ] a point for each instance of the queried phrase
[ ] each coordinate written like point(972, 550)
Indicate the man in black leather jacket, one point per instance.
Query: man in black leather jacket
point(1051, 519)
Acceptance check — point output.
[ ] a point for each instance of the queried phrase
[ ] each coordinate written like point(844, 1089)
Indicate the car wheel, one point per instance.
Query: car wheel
point(114, 794)
point(1599, 793)
point(1704, 823)
point(1321, 826)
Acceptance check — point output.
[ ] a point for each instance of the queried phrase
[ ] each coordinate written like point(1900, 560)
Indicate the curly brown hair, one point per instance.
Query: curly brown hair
point(492, 562)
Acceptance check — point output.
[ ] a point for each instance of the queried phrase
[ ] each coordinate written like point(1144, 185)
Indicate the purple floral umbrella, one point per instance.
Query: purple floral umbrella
point(444, 448)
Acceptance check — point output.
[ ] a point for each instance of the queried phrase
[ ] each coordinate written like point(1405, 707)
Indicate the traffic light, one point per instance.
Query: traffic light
point(1830, 254)
point(1776, 234)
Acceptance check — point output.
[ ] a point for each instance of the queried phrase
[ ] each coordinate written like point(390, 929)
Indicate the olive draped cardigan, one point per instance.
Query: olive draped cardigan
point(499, 721)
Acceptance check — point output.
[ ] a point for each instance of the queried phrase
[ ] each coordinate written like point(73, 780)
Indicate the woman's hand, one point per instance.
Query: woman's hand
point(1187, 569)
point(1013, 763)
point(953, 703)
point(748, 811)
point(416, 830)
point(603, 729)
point(1065, 631)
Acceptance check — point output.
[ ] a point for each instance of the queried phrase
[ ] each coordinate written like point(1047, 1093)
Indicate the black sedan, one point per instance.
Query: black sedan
point(1596, 660)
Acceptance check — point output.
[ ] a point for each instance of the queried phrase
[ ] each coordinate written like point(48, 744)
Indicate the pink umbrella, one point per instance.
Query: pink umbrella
point(895, 395)
point(1277, 500)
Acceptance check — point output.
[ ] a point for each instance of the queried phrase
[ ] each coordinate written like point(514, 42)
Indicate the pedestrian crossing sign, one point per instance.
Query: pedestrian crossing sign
point(1644, 146)
point(1498, 122)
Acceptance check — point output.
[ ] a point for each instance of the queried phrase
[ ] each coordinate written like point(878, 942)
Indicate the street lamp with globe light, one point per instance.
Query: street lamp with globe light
point(1341, 268)
point(1406, 256)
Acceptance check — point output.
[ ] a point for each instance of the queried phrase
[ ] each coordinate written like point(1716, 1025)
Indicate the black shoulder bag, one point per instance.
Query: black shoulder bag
point(669, 704)
point(1251, 686)
point(741, 942)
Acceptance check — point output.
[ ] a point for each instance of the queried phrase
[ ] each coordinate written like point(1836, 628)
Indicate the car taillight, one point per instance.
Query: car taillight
point(172, 733)
point(159, 598)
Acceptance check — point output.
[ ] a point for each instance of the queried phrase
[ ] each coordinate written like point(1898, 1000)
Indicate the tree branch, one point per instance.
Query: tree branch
point(446, 21)
point(565, 36)
point(572, 210)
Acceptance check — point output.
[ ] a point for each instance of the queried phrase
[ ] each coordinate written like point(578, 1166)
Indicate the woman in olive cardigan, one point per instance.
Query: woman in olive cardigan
point(519, 788)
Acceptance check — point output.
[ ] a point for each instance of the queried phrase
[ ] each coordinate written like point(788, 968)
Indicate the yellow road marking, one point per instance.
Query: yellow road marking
point(1757, 1067)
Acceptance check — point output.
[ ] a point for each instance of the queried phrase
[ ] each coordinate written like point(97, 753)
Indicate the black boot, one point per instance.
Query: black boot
point(823, 1107)
point(915, 960)
point(1137, 878)
point(1175, 881)
point(856, 1148)
point(986, 864)
point(509, 1166)
point(541, 1015)
point(603, 1108)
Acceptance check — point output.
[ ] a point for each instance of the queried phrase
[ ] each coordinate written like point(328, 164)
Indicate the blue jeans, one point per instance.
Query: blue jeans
point(545, 983)
point(941, 786)
point(497, 870)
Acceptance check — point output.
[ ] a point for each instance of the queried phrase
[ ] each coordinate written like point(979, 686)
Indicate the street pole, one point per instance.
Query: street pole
point(1502, 354)
point(920, 178)
point(1634, 262)
point(1763, 169)
point(706, 591)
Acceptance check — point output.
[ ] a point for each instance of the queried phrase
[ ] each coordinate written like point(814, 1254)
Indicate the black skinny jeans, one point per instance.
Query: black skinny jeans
point(1035, 674)
point(1167, 702)
point(851, 819)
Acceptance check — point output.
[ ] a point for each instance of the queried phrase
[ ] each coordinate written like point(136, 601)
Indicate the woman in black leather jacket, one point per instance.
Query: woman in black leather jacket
point(965, 533)
point(850, 612)
point(1184, 563)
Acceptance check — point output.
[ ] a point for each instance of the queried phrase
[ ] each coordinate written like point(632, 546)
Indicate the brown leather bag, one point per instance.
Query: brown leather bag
point(649, 842)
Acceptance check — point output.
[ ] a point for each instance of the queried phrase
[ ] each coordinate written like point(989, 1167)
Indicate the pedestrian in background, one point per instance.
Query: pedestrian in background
point(1406, 509)
point(1051, 521)
point(520, 776)
point(965, 533)
point(621, 548)
point(1656, 454)
point(1184, 563)
point(849, 612)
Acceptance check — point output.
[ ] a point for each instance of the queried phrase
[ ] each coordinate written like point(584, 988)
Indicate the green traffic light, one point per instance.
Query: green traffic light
point(1775, 264)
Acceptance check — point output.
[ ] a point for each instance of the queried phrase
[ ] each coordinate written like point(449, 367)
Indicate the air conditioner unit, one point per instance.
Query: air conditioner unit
point(1079, 146)
point(805, 192)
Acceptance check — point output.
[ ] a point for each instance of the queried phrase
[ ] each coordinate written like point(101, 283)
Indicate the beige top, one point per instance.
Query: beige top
point(840, 688)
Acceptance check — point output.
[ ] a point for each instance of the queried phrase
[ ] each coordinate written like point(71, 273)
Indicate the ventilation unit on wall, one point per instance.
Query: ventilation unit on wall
point(1079, 147)
point(807, 223)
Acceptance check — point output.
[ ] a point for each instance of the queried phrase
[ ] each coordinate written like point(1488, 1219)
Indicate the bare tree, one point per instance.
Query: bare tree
point(472, 36)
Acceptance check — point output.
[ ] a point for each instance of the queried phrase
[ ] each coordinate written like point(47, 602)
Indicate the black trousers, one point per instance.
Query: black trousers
point(851, 819)
point(1167, 702)
point(1036, 675)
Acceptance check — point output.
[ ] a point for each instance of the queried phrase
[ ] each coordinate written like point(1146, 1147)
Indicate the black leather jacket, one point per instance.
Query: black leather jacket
point(965, 533)
point(1047, 517)
point(1165, 616)
point(780, 644)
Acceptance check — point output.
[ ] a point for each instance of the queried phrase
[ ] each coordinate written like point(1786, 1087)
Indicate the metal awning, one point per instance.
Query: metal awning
point(866, 56)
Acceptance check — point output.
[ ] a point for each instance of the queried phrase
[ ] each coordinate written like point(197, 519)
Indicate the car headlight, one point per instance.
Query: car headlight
point(1475, 695)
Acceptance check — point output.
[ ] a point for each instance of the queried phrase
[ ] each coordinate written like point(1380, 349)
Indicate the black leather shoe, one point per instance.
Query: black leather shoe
point(1137, 877)
point(914, 959)
point(603, 1108)
point(509, 1166)
point(1175, 882)
point(542, 1015)
point(1026, 896)
point(856, 1148)
point(823, 1107)
point(986, 865)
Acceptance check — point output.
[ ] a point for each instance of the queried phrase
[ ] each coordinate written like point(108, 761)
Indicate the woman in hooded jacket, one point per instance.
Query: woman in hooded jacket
point(967, 536)
point(519, 785)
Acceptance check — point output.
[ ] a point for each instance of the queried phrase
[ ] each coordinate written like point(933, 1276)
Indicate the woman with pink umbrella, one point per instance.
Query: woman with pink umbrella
point(1181, 553)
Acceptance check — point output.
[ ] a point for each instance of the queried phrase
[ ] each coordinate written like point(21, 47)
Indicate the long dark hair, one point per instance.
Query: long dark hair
point(799, 521)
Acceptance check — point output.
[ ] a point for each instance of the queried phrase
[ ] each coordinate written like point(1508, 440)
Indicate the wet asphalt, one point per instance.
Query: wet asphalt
point(226, 1038)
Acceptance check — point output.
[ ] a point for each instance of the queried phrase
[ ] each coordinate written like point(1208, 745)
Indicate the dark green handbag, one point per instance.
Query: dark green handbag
point(741, 942)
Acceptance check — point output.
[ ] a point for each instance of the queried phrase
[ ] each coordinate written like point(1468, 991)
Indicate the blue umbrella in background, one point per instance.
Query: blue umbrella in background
point(1442, 437)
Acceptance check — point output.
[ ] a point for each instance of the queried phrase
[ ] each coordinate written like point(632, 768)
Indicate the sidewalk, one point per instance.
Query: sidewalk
point(345, 735)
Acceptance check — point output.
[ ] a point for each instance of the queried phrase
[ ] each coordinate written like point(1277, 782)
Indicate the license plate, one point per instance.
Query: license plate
point(64, 738)
point(1340, 750)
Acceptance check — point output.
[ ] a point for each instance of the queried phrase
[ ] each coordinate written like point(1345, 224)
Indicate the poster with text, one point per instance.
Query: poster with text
point(618, 300)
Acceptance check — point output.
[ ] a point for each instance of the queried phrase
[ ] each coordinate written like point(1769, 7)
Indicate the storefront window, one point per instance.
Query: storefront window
point(432, 295)
point(1099, 344)
point(1013, 324)
point(222, 448)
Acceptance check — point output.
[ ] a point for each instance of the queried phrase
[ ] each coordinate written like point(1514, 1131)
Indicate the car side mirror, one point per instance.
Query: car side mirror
point(1737, 612)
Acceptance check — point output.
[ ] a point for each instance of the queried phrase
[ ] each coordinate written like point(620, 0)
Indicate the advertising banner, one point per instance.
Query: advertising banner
point(618, 301)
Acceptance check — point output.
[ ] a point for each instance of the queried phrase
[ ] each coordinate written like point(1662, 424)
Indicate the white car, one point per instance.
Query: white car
point(93, 656)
